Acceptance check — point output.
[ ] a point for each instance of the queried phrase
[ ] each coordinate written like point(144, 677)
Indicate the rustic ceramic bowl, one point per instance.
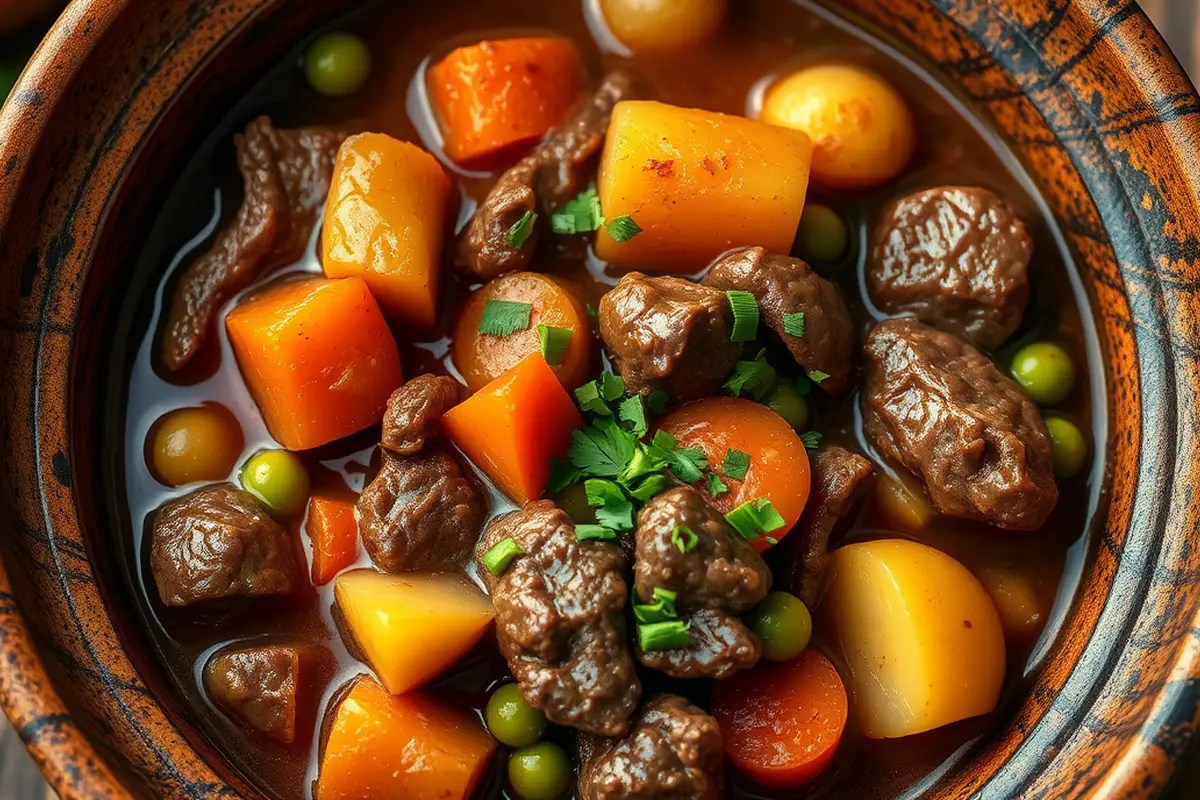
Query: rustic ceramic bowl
point(1085, 90)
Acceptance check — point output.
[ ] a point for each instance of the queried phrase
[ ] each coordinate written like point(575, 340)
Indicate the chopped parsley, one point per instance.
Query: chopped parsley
point(602, 449)
point(504, 318)
point(633, 410)
point(613, 509)
point(684, 539)
point(588, 532)
point(754, 378)
point(650, 486)
point(583, 215)
point(522, 229)
point(755, 518)
point(622, 229)
point(816, 376)
point(716, 486)
point(745, 315)
point(793, 324)
point(553, 343)
point(595, 396)
point(735, 464)
point(686, 463)
point(811, 439)
point(498, 558)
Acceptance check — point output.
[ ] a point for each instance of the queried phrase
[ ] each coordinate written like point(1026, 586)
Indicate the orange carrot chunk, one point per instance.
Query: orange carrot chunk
point(782, 721)
point(386, 222)
point(495, 96)
point(778, 470)
point(317, 357)
point(481, 358)
point(334, 533)
point(382, 747)
point(515, 426)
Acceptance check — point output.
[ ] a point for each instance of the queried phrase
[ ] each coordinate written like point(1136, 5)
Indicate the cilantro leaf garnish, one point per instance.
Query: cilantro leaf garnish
point(685, 463)
point(793, 324)
point(752, 377)
point(716, 486)
point(579, 215)
point(601, 450)
point(735, 464)
point(622, 229)
point(816, 376)
point(613, 509)
point(633, 410)
point(657, 401)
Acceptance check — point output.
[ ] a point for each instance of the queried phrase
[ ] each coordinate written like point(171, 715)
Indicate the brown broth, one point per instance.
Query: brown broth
point(763, 38)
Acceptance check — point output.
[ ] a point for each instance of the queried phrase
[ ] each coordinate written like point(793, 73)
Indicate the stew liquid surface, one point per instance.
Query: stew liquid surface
point(761, 39)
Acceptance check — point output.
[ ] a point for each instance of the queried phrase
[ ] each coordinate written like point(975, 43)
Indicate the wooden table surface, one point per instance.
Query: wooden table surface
point(1180, 22)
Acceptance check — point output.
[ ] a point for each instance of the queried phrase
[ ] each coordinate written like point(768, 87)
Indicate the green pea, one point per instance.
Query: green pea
point(1045, 372)
point(822, 237)
point(540, 772)
point(787, 403)
point(783, 624)
point(337, 64)
point(1070, 448)
point(513, 721)
point(279, 480)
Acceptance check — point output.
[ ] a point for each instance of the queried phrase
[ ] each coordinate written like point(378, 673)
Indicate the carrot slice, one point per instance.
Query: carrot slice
point(782, 721)
point(515, 426)
point(334, 533)
point(493, 97)
point(382, 747)
point(779, 469)
point(317, 357)
point(482, 358)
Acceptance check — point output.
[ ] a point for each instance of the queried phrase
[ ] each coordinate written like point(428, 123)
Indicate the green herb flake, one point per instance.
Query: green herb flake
point(754, 378)
point(611, 387)
point(613, 509)
point(811, 439)
point(504, 318)
point(633, 410)
point(649, 487)
point(684, 539)
point(745, 315)
point(816, 376)
point(735, 464)
point(590, 398)
point(793, 324)
point(716, 486)
point(580, 215)
point(602, 449)
point(554, 343)
point(686, 463)
point(593, 311)
point(522, 229)
point(498, 558)
point(755, 518)
point(587, 532)
point(657, 401)
point(672, 635)
point(622, 229)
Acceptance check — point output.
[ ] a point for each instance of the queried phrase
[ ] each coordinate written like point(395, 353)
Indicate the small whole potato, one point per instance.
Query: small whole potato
point(663, 25)
point(862, 130)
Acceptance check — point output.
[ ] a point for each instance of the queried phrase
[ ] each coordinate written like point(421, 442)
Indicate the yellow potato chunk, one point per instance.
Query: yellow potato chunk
point(698, 184)
point(412, 627)
point(385, 221)
point(862, 131)
point(663, 25)
point(920, 637)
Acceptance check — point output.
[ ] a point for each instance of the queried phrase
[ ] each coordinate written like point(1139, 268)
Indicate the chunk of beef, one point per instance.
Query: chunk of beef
point(784, 285)
point(218, 542)
point(543, 181)
point(257, 686)
point(839, 480)
point(414, 412)
point(286, 174)
point(717, 579)
point(670, 334)
point(938, 407)
point(957, 258)
point(560, 620)
point(673, 752)
point(421, 513)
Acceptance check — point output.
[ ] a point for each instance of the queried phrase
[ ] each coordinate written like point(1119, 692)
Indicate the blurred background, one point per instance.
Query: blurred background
point(24, 22)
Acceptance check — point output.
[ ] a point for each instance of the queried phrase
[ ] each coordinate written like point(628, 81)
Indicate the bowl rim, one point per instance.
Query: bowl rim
point(28, 694)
